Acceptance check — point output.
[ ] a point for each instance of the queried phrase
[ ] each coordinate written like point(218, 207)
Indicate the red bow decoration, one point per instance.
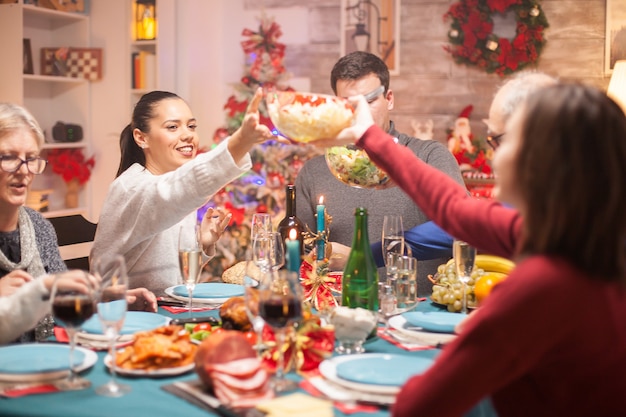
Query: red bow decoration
point(303, 349)
point(239, 214)
point(265, 40)
point(320, 286)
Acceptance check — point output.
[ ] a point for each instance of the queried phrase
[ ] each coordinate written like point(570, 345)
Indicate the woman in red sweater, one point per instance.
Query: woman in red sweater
point(551, 339)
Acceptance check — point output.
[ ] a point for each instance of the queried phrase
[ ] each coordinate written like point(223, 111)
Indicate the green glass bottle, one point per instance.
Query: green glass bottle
point(360, 276)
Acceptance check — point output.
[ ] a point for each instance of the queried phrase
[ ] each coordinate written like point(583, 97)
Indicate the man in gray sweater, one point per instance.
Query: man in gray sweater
point(354, 74)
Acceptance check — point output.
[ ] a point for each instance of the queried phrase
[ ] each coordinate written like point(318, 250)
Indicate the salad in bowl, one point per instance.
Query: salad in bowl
point(352, 166)
point(305, 117)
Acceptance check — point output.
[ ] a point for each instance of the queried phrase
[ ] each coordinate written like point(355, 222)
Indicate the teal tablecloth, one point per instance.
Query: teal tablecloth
point(146, 398)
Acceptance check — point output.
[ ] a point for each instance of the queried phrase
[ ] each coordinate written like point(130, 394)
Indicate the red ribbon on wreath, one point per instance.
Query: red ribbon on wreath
point(303, 349)
point(472, 41)
point(320, 286)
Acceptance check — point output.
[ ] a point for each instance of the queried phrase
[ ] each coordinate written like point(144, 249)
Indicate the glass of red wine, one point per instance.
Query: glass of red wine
point(280, 305)
point(73, 302)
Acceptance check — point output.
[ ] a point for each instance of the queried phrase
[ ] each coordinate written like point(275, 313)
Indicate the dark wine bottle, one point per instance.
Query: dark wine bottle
point(360, 276)
point(290, 221)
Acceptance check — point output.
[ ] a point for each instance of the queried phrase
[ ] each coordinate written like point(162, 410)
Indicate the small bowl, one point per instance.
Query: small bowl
point(352, 326)
point(306, 117)
point(353, 167)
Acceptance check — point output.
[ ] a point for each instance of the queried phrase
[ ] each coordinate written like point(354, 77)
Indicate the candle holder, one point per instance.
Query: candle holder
point(322, 288)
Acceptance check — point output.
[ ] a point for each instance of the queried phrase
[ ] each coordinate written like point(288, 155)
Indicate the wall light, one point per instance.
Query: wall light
point(617, 85)
point(368, 16)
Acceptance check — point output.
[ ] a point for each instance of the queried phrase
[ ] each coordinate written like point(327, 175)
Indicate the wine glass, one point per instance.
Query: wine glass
point(268, 251)
point(261, 224)
point(392, 235)
point(72, 304)
point(252, 281)
point(190, 259)
point(464, 259)
point(280, 305)
point(400, 289)
point(112, 306)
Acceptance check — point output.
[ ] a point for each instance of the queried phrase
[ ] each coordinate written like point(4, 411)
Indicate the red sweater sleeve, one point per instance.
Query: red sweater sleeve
point(487, 225)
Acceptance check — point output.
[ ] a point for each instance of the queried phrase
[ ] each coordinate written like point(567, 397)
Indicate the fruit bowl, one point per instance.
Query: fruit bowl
point(305, 117)
point(352, 166)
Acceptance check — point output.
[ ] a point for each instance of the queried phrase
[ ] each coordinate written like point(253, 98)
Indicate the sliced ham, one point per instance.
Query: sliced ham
point(237, 368)
point(249, 383)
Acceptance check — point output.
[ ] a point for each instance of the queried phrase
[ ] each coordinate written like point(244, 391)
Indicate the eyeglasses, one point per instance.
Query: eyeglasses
point(494, 140)
point(374, 94)
point(11, 163)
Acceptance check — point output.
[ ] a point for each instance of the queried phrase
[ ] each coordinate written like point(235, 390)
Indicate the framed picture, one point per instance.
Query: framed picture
point(372, 26)
point(615, 48)
point(28, 58)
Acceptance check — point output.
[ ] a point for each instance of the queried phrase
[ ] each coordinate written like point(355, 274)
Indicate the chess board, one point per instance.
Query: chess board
point(80, 62)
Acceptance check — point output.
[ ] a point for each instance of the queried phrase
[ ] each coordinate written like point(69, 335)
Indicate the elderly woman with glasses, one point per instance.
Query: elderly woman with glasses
point(28, 242)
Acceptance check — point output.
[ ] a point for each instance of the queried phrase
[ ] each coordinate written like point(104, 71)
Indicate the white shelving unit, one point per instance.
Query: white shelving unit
point(48, 98)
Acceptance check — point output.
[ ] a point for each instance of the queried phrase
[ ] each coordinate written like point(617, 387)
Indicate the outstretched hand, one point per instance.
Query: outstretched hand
point(213, 225)
point(363, 120)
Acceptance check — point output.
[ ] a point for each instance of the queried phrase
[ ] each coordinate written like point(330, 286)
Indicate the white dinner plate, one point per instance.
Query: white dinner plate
point(434, 321)
point(41, 361)
point(135, 321)
point(400, 324)
point(207, 292)
point(156, 373)
point(329, 369)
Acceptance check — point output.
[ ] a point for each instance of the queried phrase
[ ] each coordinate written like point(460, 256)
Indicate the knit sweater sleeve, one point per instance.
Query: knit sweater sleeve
point(487, 225)
point(47, 243)
point(140, 205)
point(22, 310)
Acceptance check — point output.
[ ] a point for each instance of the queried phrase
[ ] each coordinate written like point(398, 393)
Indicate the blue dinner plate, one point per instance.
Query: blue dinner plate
point(37, 358)
point(135, 321)
point(434, 321)
point(382, 369)
point(211, 290)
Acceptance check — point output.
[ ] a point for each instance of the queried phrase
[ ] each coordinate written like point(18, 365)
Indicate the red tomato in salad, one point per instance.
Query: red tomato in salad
point(250, 337)
point(202, 326)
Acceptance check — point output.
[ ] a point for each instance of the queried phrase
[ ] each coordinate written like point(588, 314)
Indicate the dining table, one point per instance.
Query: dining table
point(147, 396)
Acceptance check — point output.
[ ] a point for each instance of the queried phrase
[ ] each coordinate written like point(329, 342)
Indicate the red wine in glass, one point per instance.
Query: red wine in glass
point(73, 310)
point(278, 312)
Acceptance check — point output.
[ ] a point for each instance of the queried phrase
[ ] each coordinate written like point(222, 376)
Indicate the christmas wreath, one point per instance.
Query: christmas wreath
point(472, 41)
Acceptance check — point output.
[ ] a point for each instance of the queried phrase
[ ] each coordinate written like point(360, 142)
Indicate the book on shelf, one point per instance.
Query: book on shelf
point(38, 199)
point(143, 70)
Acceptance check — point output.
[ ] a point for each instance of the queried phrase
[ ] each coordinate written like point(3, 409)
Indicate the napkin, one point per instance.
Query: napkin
point(398, 339)
point(20, 389)
point(296, 404)
point(177, 307)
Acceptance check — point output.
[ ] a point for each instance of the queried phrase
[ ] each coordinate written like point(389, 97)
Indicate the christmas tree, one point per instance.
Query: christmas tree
point(274, 164)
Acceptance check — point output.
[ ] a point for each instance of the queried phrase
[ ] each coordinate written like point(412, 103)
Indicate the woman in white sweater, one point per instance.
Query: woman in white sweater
point(161, 183)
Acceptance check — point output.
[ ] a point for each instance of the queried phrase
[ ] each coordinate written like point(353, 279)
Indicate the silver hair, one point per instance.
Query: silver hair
point(14, 117)
point(520, 87)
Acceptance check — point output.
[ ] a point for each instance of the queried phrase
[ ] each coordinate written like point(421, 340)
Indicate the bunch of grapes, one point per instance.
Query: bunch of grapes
point(448, 290)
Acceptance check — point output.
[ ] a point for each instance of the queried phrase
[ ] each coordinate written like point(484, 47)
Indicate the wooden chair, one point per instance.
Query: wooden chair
point(75, 235)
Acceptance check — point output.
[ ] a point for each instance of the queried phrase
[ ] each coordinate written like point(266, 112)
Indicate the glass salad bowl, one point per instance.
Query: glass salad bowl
point(352, 166)
point(305, 117)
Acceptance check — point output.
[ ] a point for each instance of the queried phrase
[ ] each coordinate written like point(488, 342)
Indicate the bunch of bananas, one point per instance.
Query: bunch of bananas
point(448, 290)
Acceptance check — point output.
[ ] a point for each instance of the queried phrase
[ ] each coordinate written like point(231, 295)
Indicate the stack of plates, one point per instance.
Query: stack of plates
point(375, 372)
point(41, 361)
point(207, 292)
point(92, 333)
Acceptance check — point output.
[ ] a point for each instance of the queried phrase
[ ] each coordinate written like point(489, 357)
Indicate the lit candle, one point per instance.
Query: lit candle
point(293, 251)
point(321, 227)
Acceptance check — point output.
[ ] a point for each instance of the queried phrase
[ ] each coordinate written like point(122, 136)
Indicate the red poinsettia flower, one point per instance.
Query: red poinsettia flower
point(71, 164)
